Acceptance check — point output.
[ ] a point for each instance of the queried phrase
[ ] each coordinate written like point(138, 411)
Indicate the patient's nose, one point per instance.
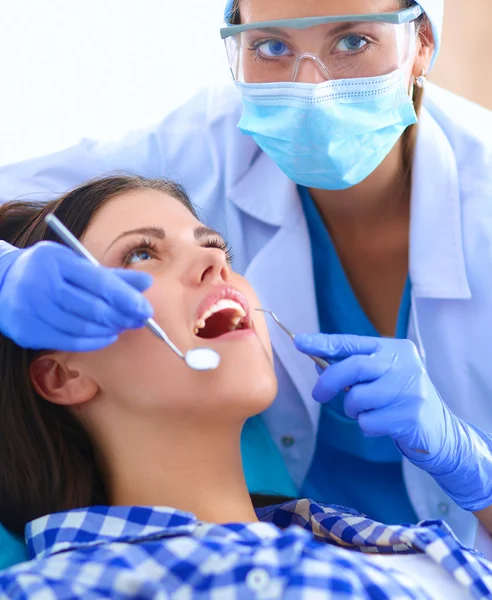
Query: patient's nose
point(210, 266)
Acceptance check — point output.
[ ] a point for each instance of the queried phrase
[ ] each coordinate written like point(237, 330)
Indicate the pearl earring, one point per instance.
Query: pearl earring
point(421, 80)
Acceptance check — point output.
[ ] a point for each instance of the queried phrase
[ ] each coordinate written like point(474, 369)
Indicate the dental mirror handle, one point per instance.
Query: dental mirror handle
point(72, 242)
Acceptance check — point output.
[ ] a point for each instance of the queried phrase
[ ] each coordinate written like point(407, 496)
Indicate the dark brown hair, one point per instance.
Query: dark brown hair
point(410, 135)
point(47, 461)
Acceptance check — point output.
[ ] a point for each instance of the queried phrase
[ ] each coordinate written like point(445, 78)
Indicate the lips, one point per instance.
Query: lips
point(223, 311)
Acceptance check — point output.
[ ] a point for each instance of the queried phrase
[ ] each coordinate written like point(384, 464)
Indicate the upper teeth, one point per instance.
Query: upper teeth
point(224, 304)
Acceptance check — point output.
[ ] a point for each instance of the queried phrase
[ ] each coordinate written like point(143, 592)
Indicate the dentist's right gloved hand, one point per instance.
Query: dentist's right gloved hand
point(50, 298)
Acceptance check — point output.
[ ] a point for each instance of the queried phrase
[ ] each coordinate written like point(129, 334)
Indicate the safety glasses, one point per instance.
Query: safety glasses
point(338, 47)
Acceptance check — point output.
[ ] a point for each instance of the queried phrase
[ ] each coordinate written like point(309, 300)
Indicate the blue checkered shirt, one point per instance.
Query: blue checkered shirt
point(297, 550)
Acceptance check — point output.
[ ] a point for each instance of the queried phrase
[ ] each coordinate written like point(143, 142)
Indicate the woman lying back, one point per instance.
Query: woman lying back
point(124, 466)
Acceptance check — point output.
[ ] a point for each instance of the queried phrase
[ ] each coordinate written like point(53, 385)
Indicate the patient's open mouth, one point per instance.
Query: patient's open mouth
point(223, 312)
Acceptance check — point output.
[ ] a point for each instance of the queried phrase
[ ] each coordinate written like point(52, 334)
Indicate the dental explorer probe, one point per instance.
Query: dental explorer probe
point(198, 359)
point(319, 361)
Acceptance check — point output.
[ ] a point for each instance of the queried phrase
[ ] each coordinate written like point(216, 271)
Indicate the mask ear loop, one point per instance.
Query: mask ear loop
point(319, 63)
point(410, 57)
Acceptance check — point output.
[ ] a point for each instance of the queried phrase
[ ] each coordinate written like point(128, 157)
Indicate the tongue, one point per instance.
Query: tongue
point(218, 324)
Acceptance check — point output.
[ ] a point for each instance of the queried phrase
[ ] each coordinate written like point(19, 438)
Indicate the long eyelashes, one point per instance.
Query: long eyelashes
point(147, 246)
point(220, 244)
point(133, 249)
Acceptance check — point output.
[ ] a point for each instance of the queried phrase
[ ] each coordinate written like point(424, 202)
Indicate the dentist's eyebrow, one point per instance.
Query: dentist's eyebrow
point(343, 27)
point(275, 31)
point(155, 232)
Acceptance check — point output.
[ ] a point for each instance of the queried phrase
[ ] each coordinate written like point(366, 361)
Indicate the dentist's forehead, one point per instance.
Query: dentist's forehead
point(134, 210)
point(266, 10)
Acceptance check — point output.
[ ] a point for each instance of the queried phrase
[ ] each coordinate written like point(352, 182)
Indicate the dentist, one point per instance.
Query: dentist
point(357, 199)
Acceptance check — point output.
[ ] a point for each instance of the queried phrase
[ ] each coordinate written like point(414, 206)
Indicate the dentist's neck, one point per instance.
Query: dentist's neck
point(194, 465)
point(381, 198)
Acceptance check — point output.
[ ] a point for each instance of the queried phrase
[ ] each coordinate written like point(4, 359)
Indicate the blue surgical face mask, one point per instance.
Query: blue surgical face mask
point(330, 135)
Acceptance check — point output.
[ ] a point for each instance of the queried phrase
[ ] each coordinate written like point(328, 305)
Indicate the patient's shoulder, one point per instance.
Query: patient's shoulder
point(22, 580)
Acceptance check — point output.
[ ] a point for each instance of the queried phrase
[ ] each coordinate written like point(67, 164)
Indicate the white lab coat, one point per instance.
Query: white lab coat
point(243, 194)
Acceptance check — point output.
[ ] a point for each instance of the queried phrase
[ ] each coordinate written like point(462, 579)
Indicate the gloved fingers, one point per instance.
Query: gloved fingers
point(385, 392)
point(44, 337)
point(367, 396)
point(91, 309)
point(336, 346)
point(395, 424)
point(377, 423)
point(58, 319)
point(139, 280)
point(111, 288)
point(89, 344)
point(349, 373)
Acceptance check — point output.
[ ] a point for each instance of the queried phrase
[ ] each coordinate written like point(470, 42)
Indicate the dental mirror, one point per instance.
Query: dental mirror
point(198, 359)
point(202, 359)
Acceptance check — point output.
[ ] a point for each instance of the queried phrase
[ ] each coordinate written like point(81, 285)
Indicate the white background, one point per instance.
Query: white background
point(98, 68)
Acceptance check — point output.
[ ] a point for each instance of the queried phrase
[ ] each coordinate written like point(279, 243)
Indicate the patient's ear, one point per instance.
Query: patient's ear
point(57, 380)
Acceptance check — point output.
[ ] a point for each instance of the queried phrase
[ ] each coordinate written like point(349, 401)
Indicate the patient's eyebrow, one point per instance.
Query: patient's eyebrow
point(158, 233)
point(205, 232)
point(155, 232)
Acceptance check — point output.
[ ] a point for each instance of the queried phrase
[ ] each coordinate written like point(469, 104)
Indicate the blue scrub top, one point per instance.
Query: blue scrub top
point(348, 468)
point(264, 466)
point(13, 549)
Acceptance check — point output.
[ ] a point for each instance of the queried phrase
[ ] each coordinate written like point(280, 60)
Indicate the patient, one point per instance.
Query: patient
point(123, 466)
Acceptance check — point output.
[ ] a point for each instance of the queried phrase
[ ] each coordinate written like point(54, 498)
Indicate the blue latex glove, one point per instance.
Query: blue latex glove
point(50, 298)
point(391, 395)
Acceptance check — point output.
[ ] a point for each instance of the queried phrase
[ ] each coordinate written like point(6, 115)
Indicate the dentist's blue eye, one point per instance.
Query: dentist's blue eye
point(352, 43)
point(273, 49)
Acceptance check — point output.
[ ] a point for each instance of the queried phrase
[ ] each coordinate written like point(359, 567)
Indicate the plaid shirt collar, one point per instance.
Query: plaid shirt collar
point(102, 524)
point(332, 524)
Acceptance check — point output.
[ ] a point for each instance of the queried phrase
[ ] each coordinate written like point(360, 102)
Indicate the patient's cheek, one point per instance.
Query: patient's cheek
point(137, 355)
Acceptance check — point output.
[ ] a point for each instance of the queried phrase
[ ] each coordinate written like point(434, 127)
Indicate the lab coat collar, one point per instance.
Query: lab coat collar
point(280, 276)
point(265, 193)
point(437, 261)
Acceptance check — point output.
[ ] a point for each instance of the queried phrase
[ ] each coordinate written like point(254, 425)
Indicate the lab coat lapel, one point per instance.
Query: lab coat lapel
point(437, 260)
point(281, 272)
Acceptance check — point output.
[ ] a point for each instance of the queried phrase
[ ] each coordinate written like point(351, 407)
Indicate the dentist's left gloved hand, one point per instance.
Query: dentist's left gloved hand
point(391, 395)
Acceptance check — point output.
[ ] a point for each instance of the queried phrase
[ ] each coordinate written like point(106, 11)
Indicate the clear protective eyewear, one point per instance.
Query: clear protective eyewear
point(341, 47)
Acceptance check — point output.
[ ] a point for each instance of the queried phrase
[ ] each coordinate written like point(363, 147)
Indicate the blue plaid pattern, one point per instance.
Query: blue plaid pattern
point(299, 550)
